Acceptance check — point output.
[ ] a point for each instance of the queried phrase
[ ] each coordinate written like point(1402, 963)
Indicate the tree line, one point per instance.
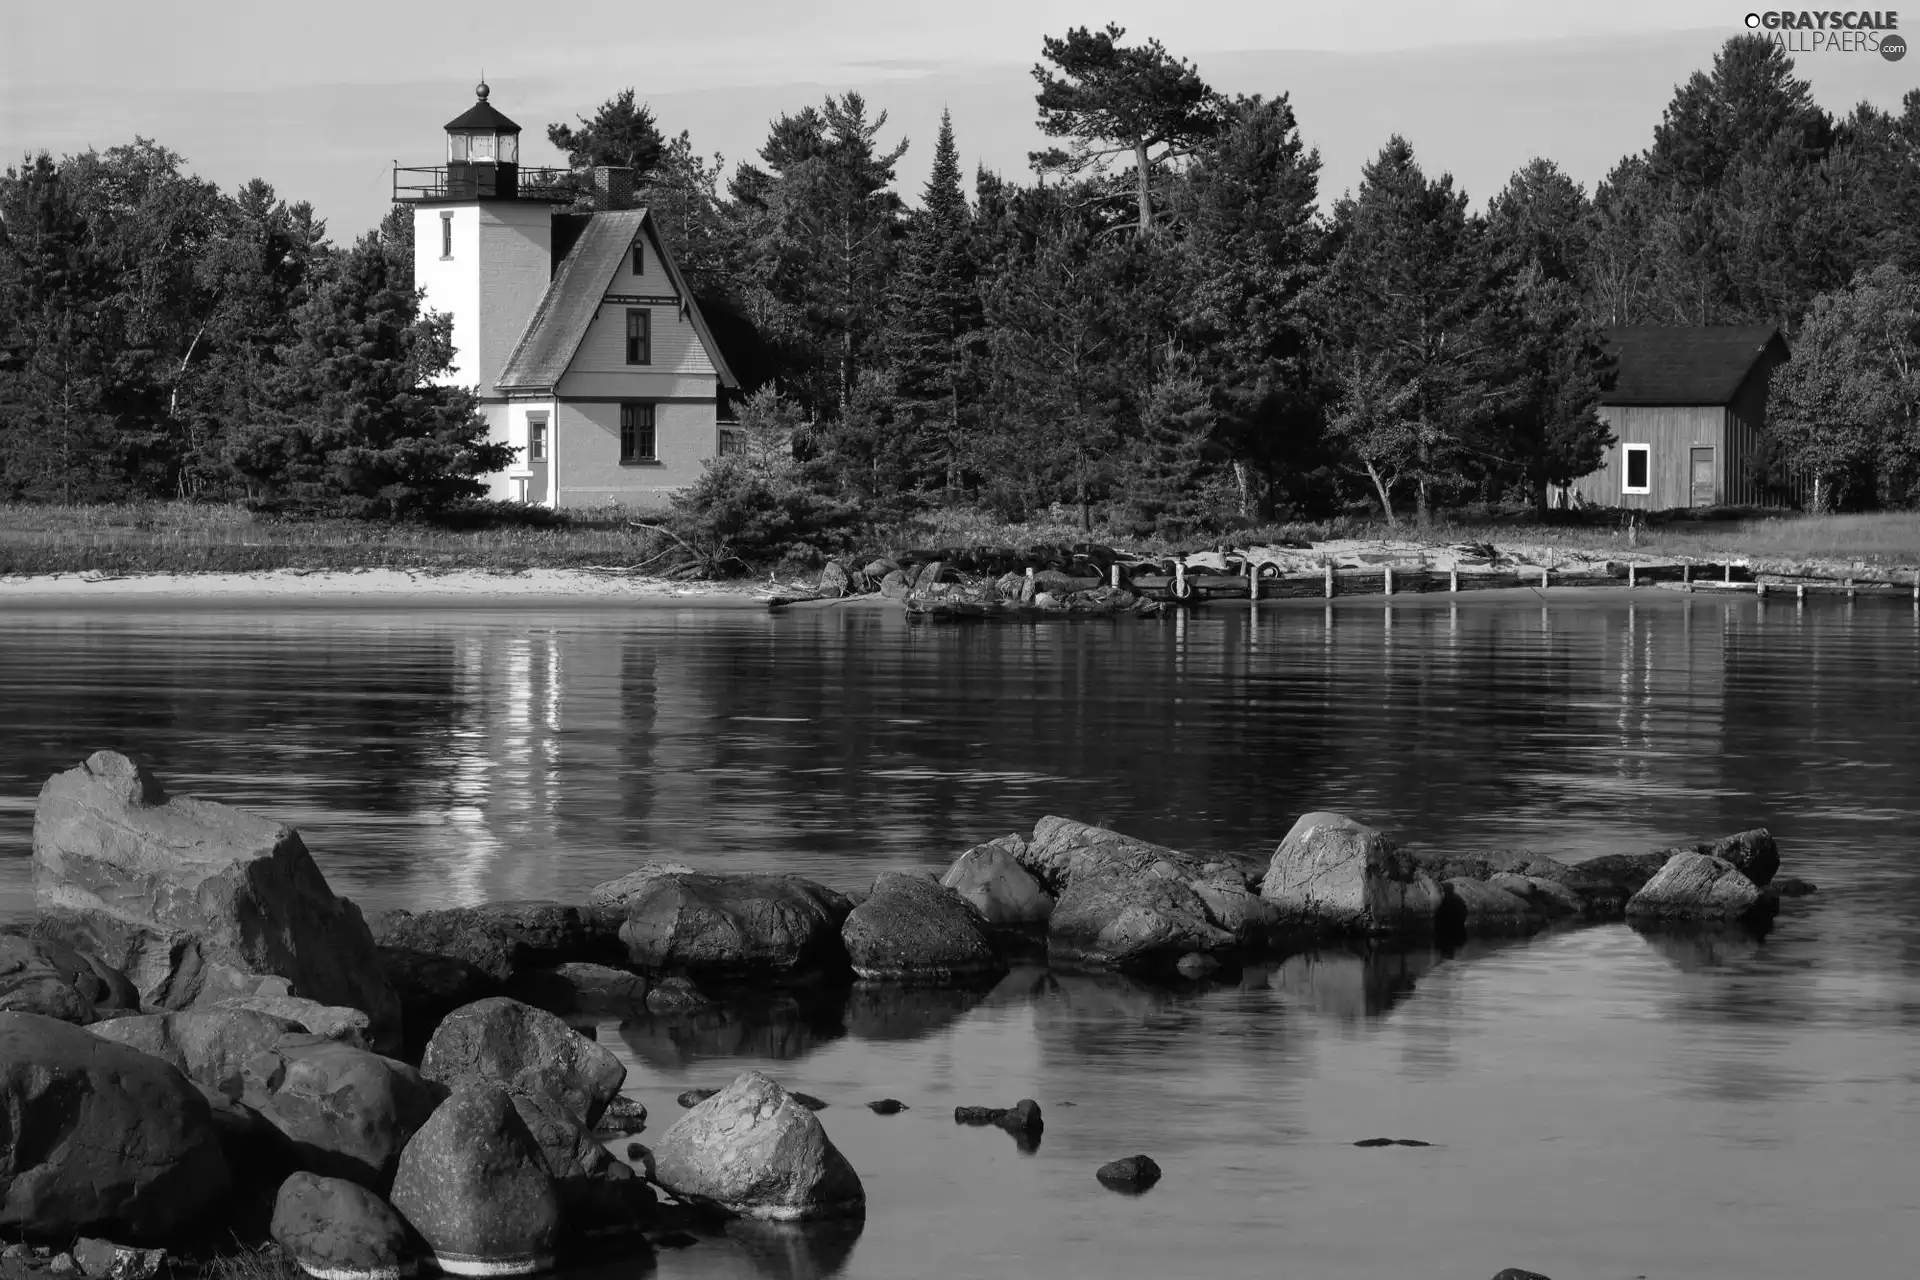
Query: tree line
point(1160, 330)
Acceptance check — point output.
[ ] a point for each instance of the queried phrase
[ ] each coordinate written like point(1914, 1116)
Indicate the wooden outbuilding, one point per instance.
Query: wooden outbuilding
point(1686, 415)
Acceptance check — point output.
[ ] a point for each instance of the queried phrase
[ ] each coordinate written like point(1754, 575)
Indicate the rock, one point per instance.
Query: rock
point(1752, 853)
point(1010, 586)
point(623, 1115)
point(894, 585)
point(751, 927)
point(211, 1047)
point(1476, 908)
point(754, 1152)
point(44, 976)
point(1697, 886)
point(580, 988)
point(100, 1138)
point(192, 899)
point(1062, 850)
point(694, 1097)
point(978, 1115)
point(834, 580)
point(348, 1026)
point(911, 929)
point(1549, 897)
point(1130, 922)
point(1195, 966)
point(63, 1264)
point(430, 987)
point(1485, 866)
point(613, 895)
point(676, 995)
point(989, 877)
point(1332, 874)
point(254, 1148)
point(15, 1250)
point(887, 1107)
point(348, 1113)
point(1391, 1142)
point(1793, 887)
point(339, 1230)
point(595, 1190)
point(523, 1050)
point(1515, 1273)
point(1131, 1173)
point(503, 938)
point(104, 1260)
point(807, 1100)
point(1022, 1117)
point(475, 1187)
point(1233, 907)
point(1607, 882)
point(927, 577)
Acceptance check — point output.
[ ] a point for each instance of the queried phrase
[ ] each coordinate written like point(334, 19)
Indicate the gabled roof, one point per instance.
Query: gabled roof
point(566, 311)
point(1688, 365)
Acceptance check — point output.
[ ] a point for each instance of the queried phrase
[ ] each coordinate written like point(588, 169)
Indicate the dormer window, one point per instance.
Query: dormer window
point(639, 259)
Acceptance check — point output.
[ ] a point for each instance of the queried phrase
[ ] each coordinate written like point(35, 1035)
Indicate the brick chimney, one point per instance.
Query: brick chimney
point(612, 187)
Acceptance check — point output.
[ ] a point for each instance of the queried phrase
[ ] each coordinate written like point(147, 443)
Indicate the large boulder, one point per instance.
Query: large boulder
point(596, 1190)
point(41, 975)
point(97, 1138)
point(473, 1183)
point(752, 1151)
point(1699, 887)
point(1131, 922)
point(613, 895)
point(348, 1113)
point(989, 877)
point(1478, 908)
point(753, 927)
point(522, 1049)
point(1752, 853)
point(193, 899)
point(1334, 875)
point(338, 1230)
point(1062, 849)
point(910, 928)
point(211, 1047)
point(501, 939)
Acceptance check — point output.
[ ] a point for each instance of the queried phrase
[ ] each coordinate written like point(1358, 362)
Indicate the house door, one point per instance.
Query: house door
point(1702, 495)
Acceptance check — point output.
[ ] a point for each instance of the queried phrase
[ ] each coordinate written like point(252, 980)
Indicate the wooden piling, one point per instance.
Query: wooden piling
point(1849, 588)
point(1453, 584)
point(1329, 582)
point(1180, 588)
point(1633, 576)
point(1114, 575)
point(1543, 577)
point(1728, 567)
point(1800, 593)
point(1386, 585)
point(1686, 576)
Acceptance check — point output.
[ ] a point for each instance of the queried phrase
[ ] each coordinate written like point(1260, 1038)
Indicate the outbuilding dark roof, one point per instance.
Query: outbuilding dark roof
point(1687, 365)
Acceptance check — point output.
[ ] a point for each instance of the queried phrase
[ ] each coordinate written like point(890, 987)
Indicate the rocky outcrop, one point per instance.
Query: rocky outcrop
point(1134, 922)
point(1334, 875)
point(339, 1230)
point(752, 1151)
point(97, 1138)
point(40, 975)
point(990, 878)
point(192, 899)
point(502, 939)
point(474, 1185)
point(749, 927)
point(1478, 908)
point(1696, 887)
point(912, 929)
point(524, 1050)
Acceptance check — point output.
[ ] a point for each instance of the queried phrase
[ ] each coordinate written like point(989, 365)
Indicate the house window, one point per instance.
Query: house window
point(1637, 473)
point(639, 337)
point(636, 434)
point(536, 437)
point(730, 442)
point(446, 236)
point(639, 258)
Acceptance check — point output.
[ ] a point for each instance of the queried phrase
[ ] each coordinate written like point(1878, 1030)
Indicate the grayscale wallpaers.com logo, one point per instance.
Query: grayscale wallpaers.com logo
point(1835, 30)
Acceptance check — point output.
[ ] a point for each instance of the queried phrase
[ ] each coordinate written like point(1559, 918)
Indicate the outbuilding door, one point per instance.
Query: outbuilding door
point(1702, 472)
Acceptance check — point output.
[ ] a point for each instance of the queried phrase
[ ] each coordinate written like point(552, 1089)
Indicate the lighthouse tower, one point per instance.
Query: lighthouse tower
point(570, 321)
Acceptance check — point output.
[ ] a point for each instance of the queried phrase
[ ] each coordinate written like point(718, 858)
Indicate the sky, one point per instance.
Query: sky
point(322, 99)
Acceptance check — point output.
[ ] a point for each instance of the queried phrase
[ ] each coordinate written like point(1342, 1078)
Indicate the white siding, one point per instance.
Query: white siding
point(502, 259)
point(676, 344)
point(452, 283)
point(589, 472)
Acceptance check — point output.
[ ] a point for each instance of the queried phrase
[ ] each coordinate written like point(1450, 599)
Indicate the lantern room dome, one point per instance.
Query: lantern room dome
point(482, 116)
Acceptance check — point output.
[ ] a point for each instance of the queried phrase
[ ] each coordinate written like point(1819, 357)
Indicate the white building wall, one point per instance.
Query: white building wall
point(452, 281)
point(490, 284)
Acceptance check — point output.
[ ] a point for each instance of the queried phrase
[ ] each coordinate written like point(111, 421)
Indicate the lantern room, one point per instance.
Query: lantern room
point(483, 152)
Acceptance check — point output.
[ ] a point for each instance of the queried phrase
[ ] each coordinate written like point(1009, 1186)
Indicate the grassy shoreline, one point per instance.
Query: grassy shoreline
point(188, 539)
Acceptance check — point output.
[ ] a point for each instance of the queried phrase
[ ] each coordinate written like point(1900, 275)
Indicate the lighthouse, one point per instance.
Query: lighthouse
point(571, 321)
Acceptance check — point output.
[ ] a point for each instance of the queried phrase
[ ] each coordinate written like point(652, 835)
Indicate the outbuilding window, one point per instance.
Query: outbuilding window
point(637, 442)
point(639, 258)
point(536, 437)
point(446, 236)
point(1636, 468)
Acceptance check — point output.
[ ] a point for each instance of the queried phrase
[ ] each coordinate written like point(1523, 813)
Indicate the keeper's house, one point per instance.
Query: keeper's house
point(1686, 414)
point(588, 351)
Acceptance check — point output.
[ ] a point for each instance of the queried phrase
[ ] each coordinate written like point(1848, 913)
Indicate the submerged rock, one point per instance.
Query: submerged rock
point(623, 1115)
point(676, 995)
point(886, 1106)
point(694, 1097)
point(44, 976)
point(754, 1152)
point(1334, 875)
point(1130, 1173)
point(1606, 883)
point(579, 987)
point(750, 927)
point(1793, 887)
point(339, 1230)
point(1391, 1142)
point(523, 1050)
point(990, 878)
point(475, 1186)
point(1133, 922)
point(1477, 908)
point(195, 900)
point(1699, 887)
point(1752, 853)
point(98, 1138)
point(911, 929)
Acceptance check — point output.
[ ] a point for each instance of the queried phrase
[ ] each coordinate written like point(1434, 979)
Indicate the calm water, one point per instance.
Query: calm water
point(1602, 1104)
